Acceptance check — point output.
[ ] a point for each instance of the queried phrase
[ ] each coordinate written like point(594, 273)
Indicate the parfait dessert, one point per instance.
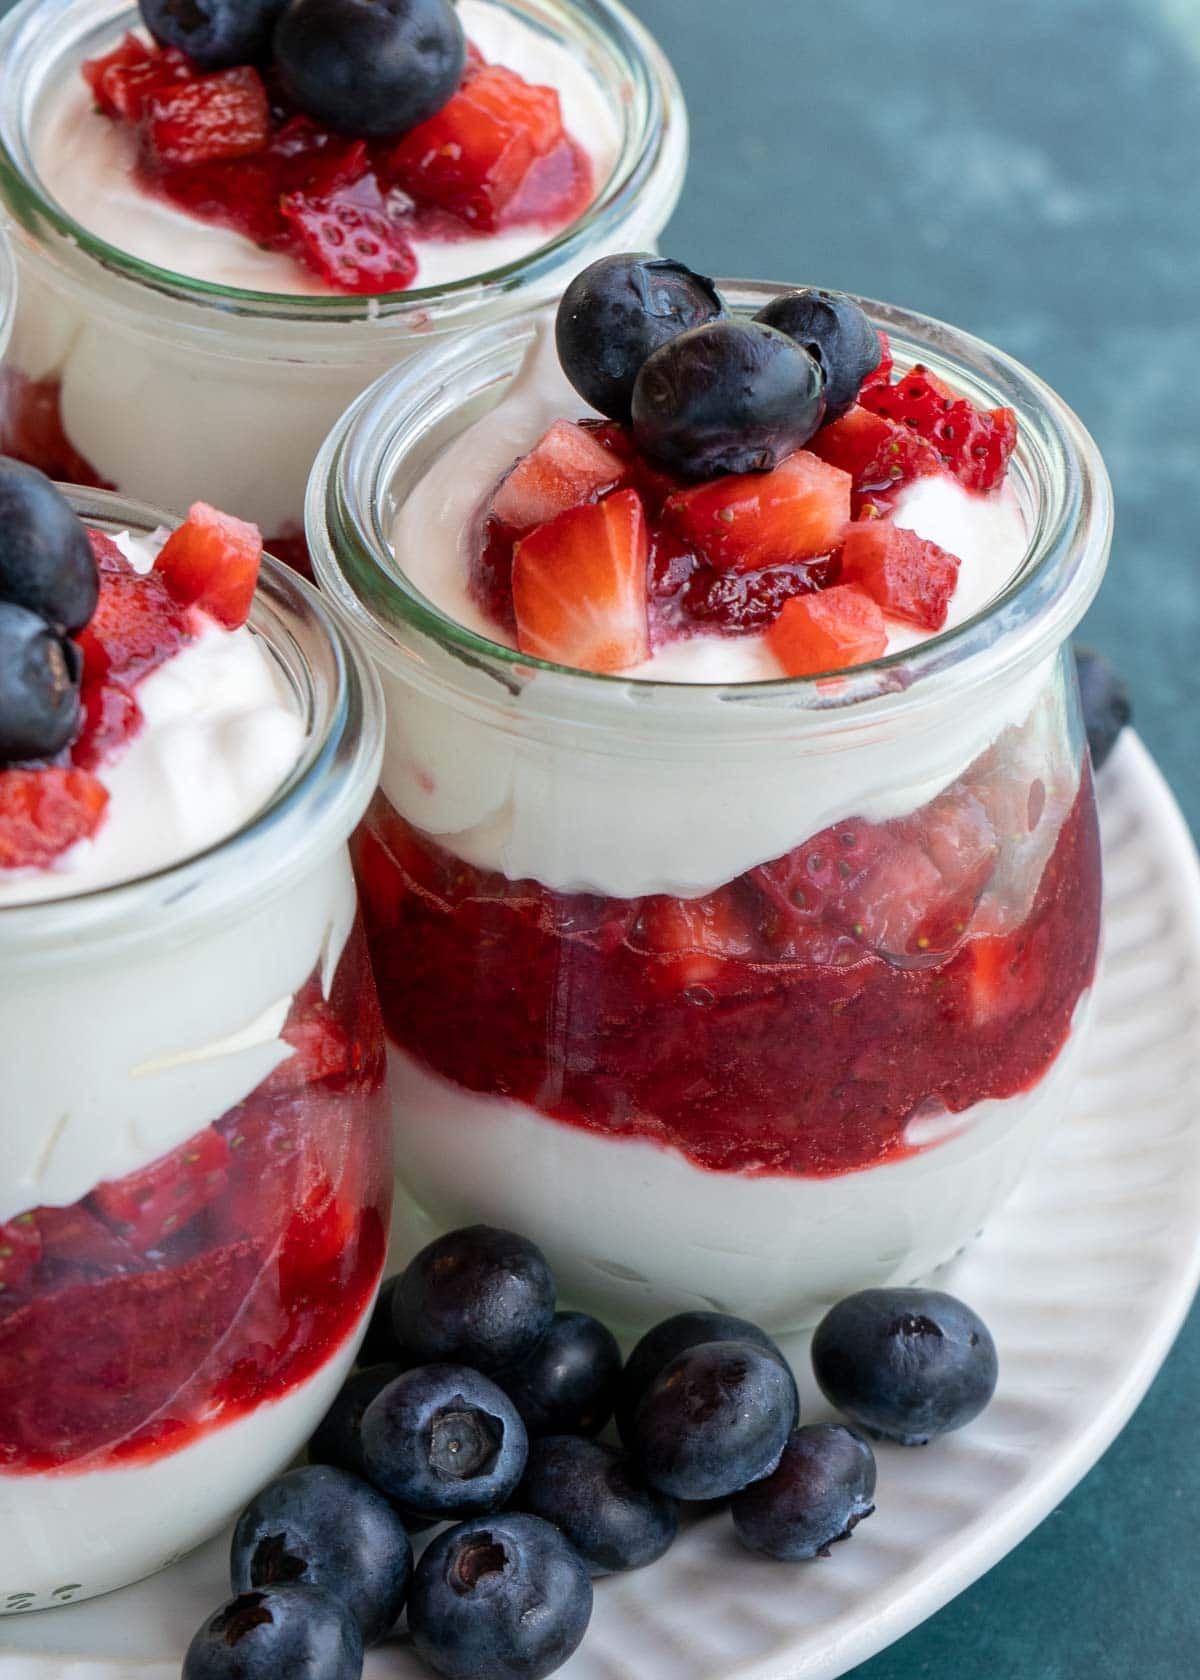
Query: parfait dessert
point(733, 887)
point(255, 209)
point(195, 1166)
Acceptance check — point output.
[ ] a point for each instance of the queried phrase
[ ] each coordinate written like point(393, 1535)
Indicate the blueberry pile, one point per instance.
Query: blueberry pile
point(644, 340)
point(371, 68)
point(48, 591)
point(478, 1406)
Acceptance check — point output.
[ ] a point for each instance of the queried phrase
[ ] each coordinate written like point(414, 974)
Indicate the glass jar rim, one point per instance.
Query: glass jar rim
point(654, 131)
point(317, 804)
point(1056, 458)
point(8, 289)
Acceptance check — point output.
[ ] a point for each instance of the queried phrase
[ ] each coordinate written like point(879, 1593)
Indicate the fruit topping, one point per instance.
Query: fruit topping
point(215, 34)
point(566, 466)
point(974, 445)
point(619, 310)
point(818, 1493)
point(45, 812)
point(291, 1628)
point(474, 155)
point(906, 1364)
point(879, 454)
point(123, 79)
point(481, 1296)
point(148, 1207)
point(567, 1385)
point(211, 561)
point(1106, 704)
point(330, 1530)
point(910, 578)
point(39, 687)
point(507, 1597)
point(136, 627)
point(835, 332)
point(731, 396)
point(598, 1499)
point(46, 561)
point(368, 68)
point(208, 120)
point(828, 631)
point(744, 603)
point(795, 512)
point(579, 586)
point(353, 237)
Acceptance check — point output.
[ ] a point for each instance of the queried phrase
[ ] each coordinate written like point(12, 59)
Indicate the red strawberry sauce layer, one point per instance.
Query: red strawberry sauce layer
point(792, 1022)
point(166, 1304)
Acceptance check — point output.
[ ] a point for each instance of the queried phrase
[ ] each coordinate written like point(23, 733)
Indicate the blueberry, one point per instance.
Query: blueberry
point(728, 397)
point(835, 332)
point(381, 1345)
point(597, 1497)
point(443, 1441)
point(819, 1492)
point(372, 68)
point(501, 1598)
point(46, 560)
point(673, 1336)
point(337, 1439)
point(905, 1363)
point(330, 1530)
point(568, 1384)
point(293, 1630)
point(1106, 704)
point(714, 1419)
point(39, 687)
point(619, 310)
point(479, 1297)
point(213, 33)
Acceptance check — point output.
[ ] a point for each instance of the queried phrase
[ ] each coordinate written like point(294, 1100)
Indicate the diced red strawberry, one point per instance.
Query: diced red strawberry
point(225, 115)
point(974, 445)
point(314, 161)
point(148, 1207)
point(910, 578)
point(566, 466)
point(883, 373)
point(136, 626)
point(123, 79)
point(111, 719)
point(350, 238)
point(107, 555)
point(878, 453)
point(752, 520)
point(43, 813)
point(579, 586)
point(75, 1240)
point(211, 561)
point(321, 1050)
point(698, 935)
point(827, 631)
point(472, 157)
point(20, 1251)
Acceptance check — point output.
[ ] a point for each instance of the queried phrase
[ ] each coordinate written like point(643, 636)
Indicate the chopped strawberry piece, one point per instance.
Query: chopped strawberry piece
point(910, 578)
point(828, 631)
point(211, 561)
point(111, 719)
point(321, 1050)
point(697, 935)
point(752, 520)
point(136, 627)
point(579, 586)
point(20, 1251)
point(312, 160)
point(473, 156)
point(883, 373)
point(975, 445)
point(350, 238)
point(566, 466)
point(74, 1240)
point(147, 1207)
point(878, 453)
point(743, 603)
point(107, 555)
point(43, 813)
point(225, 115)
point(124, 79)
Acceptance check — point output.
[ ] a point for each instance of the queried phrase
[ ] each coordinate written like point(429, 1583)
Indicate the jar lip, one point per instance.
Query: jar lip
point(8, 289)
point(650, 111)
point(1047, 595)
point(321, 798)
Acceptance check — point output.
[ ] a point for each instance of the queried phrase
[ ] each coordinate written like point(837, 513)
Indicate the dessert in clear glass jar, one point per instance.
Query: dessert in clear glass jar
point(196, 1177)
point(733, 887)
point(195, 243)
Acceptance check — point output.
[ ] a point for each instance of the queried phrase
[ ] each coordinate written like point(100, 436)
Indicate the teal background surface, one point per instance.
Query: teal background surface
point(1028, 170)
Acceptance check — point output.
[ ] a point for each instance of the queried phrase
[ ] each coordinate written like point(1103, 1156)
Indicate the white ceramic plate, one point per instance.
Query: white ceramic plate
point(1085, 1279)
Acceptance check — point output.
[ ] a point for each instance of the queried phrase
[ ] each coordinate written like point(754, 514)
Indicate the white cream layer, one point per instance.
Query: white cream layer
point(86, 163)
point(636, 1231)
point(219, 734)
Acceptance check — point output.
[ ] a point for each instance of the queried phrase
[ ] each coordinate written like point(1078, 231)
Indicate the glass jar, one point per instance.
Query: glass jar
point(737, 998)
point(195, 1154)
point(125, 374)
point(8, 291)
